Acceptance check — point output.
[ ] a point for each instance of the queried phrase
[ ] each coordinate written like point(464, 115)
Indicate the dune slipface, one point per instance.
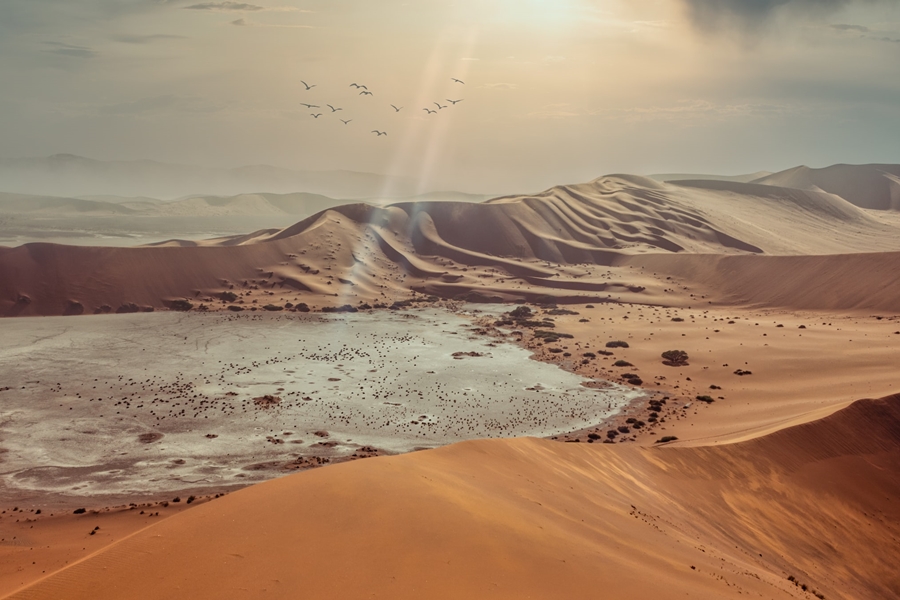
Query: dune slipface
point(814, 505)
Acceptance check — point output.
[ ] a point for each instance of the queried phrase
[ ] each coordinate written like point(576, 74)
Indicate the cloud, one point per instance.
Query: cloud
point(131, 38)
point(845, 27)
point(695, 110)
point(70, 50)
point(709, 15)
point(242, 7)
point(167, 103)
point(225, 6)
point(242, 22)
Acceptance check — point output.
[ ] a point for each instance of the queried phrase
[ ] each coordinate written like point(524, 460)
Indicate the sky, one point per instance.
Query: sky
point(556, 91)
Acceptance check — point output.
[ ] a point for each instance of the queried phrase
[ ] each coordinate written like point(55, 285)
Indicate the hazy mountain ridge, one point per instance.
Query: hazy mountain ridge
point(70, 175)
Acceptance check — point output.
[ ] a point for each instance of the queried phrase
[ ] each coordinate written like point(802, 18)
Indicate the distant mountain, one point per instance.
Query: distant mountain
point(874, 187)
point(258, 205)
point(701, 177)
point(70, 176)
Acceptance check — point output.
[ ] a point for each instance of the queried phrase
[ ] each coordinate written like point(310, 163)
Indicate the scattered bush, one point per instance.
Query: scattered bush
point(561, 311)
point(707, 399)
point(617, 344)
point(181, 305)
point(520, 312)
point(273, 307)
point(228, 296)
point(677, 320)
point(666, 439)
point(622, 363)
point(675, 358)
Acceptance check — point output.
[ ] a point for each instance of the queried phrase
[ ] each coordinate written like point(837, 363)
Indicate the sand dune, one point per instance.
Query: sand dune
point(572, 242)
point(531, 518)
point(875, 187)
point(746, 178)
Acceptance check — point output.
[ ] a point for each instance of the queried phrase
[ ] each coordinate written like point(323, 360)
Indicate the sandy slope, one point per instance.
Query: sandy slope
point(575, 243)
point(867, 186)
point(536, 519)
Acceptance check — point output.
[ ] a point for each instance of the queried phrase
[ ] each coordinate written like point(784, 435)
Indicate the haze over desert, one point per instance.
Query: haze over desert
point(583, 298)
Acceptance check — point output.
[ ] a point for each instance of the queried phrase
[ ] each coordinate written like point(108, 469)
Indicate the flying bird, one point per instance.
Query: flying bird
point(365, 93)
point(379, 133)
point(308, 105)
point(439, 106)
point(345, 122)
point(359, 87)
point(429, 111)
point(315, 116)
point(333, 109)
point(396, 109)
point(455, 102)
point(458, 80)
point(308, 87)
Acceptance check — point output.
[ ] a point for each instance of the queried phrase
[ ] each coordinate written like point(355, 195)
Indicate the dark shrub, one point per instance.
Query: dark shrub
point(181, 305)
point(622, 363)
point(675, 358)
point(666, 439)
point(520, 312)
point(617, 344)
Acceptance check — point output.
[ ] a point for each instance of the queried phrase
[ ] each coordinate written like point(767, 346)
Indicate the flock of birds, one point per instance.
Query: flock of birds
point(364, 91)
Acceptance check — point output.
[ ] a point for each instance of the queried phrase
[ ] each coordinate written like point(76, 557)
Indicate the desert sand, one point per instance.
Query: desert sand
point(532, 518)
point(763, 464)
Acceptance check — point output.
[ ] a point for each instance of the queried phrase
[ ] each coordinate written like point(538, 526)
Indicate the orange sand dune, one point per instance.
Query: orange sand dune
point(527, 518)
point(573, 243)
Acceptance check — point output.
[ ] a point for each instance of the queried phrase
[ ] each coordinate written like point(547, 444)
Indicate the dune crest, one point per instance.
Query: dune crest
point(569, 243)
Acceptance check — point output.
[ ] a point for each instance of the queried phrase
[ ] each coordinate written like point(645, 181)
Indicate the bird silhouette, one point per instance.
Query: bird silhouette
point(379, 133)
point(359, 87)
point(308, 87)
point(458, 80)
point(429, 111)
point(439, 106)
point(455, 102)
point(345, 122)
point(308, 105)
point(365, 93)
point(396, 109)
point(333, 109)
point(315, 116)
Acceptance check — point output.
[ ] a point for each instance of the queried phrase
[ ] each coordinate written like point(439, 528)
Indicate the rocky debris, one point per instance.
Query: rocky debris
point(267, 401)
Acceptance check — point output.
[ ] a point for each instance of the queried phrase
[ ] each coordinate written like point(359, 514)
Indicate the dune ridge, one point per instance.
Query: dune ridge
point(532, 518)
point(874, 186)
point(576, 243)
point(570, 243)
